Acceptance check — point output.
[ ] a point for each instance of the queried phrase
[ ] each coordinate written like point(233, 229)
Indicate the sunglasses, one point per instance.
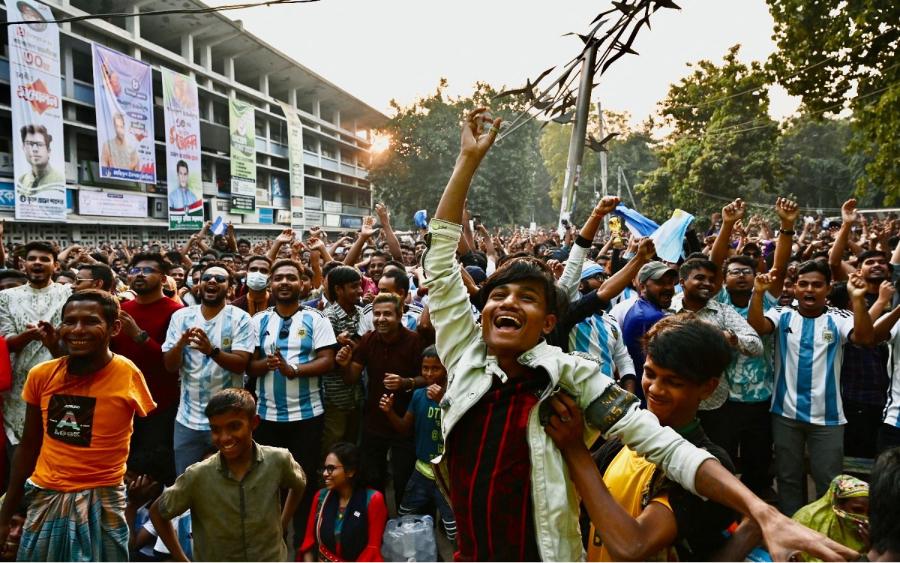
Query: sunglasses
point(329, 469)
point(146, 270)
point(220, 278)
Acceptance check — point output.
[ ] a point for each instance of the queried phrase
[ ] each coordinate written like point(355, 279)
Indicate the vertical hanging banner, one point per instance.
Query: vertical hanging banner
point(38, 157)
point(242, 126)
point(123, 98)
point(182, 117)
point(295, 160)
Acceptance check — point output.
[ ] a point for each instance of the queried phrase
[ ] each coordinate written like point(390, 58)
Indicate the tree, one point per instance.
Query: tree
point(425, 140)
point(722, 143)
point(830, 52)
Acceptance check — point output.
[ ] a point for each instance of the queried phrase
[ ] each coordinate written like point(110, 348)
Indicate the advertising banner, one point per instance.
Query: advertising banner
point(123, 98)
point(242, 126)
point(111, 205)
point(182, 117)
point(36, 100)
point(295, 159)
point(280, 196)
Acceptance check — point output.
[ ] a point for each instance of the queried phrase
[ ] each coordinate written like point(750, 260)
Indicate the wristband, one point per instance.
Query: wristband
point(790, 232)
point(213, 353)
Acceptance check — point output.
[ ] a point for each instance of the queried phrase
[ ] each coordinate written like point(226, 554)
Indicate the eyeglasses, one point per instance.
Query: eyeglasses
point(329, 469)
point(35, 144)
point(285, 328)
point(741, 272)
point(220, 278)
point(146, 270)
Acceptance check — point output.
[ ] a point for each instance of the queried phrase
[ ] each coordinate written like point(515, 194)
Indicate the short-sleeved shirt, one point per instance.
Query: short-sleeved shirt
point(892, 407)
point(402, 357)
point(236, 520)
point(600, 336)
point(337, 392)
point(427, 433)
point(299, 339)
point(87, 422)
point(635, 323)
point(808, 357)
point(201, 377)
point(750, 378)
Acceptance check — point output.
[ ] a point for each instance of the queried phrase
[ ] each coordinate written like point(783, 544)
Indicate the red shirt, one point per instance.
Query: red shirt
point(490, 473)
point(148, 357)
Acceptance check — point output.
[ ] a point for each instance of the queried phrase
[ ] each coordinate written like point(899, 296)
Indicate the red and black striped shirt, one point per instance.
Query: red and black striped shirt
point(490, 473)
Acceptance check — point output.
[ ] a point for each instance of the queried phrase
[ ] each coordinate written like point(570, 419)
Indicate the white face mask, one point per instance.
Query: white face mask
point(257, 281)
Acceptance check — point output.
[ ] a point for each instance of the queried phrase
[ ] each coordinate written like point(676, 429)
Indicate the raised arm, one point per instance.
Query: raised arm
point(756, 316)
point(574, 265)
point(884, 325)
point(863, 333)
point(787, 211)
point(731, 214)
point(393, 244)
point(617, 283)
point(286, 237)
point(849, 216)
point(366, 232)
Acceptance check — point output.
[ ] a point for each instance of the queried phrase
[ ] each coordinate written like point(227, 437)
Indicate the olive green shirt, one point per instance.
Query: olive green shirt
point(235, 520)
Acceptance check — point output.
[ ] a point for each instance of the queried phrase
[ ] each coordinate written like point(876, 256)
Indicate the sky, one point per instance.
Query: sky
point(379, 50)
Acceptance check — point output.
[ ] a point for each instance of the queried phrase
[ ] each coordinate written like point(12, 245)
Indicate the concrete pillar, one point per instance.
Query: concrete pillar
point(317, 108)
point(133, 24)
point(69, 73)
point(187, 51)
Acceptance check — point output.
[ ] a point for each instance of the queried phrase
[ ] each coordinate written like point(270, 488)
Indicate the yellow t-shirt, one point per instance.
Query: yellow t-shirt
point(627, 477)
point(87, 422)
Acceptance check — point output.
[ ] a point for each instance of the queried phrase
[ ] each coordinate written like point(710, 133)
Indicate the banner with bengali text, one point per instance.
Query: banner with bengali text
point(36, 98)
point(182, 120)
point(242, 127)
point(123, 98)
point(295, 160)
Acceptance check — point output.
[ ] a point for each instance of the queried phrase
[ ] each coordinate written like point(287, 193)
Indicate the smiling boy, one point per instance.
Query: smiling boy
point(234, 496)
point(507, 481)
point(71, 461)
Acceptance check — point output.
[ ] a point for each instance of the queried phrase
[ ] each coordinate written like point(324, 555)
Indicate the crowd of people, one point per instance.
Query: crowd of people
point(548, 395)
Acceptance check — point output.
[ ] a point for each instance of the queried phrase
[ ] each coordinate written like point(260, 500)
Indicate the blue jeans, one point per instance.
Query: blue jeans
point(190, 446)
point(421, 496)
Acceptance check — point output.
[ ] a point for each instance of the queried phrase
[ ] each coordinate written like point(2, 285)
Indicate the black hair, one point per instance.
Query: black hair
point(32, 129)
point(241, 241)
point(341, 275)
point(108, 303)
point(40, 246)
point(430, 352)
point(743, 261)
point(697, 264)
point(328, 266)
point(348, 455)
point(838, 296)
point(181, 164)
point(813, 266)
point(259, 257)
point(231, 399)
point(161, 262)
point(674, 342)
point(526, 269)
point(217, 265)
point(394, 263)
point(60, 273)
point(287, 262)
point(474, 258)
point(866, 254)
point(884, 502)
point(10, 273)
point(401, 280)
point(100, 272)
point(389, 298)
point(174, 257)
point(381, 254)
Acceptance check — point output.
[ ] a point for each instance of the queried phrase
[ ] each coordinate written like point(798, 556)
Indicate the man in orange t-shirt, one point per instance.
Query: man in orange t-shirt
point(78, 426)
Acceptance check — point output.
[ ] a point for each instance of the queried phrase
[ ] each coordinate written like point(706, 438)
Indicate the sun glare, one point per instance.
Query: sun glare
point(380, 143)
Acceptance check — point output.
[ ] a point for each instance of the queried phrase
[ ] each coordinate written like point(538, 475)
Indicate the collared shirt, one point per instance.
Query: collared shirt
point(750, 378)
point(231, 519)
point(299, 339)
point(471, 372)
point(808, 357)
point(49, 179)
point(19, 307)
point(337, 392)
point(725, 317)
point(181, 198)
point(601, 337)
point(635, 323)
point(864, 374)
point(411, 314)
point(201, 377)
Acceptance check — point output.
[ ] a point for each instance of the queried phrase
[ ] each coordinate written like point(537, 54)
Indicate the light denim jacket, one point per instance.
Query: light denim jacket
point(607, 408)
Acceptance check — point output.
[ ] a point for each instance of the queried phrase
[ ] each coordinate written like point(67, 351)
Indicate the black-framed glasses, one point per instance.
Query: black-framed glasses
point(329, 469)
point(220, 278)
point(146, 270)
point(740, 272)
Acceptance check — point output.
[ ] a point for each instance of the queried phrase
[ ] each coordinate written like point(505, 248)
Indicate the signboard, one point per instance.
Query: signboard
point(242, 128)
point(351, 222)
point(7, 196)
point(182, 117)
point(295, 160)
point(36, 100)
point(311, 202)
point(111, 204)
point(280, 196)
point(123, 98)
point(314, 219)
point(332, 207)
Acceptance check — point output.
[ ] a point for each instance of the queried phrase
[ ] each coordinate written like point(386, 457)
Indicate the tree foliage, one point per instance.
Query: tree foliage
point(832, 51)
point(510, 186)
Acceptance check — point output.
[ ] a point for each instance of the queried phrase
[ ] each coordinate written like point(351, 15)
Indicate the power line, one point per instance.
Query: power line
point(171, 11)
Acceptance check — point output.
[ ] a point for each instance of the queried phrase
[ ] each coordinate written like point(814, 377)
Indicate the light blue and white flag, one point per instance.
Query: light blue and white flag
point(669, 238)
point(637, 224)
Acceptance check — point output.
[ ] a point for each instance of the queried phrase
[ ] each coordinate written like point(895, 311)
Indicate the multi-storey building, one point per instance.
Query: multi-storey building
point(226, 61)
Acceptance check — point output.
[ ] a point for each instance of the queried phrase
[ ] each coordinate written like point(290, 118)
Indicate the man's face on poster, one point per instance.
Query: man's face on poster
point(36, 150)
point(119, 122)
point(182, 177)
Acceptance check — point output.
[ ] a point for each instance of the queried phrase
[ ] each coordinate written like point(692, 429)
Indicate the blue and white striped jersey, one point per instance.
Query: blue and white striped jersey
point(298, 339)
point(808, 357)
point(892, 407)
point(600, 336)
point(201, 377)
point(411, 314)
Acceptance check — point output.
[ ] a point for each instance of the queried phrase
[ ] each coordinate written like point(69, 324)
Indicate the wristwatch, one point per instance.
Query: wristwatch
point(141, 337)
point(213, 353)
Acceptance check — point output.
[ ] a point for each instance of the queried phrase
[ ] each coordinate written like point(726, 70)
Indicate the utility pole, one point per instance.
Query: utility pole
point(576, 144)
point(603, 164)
